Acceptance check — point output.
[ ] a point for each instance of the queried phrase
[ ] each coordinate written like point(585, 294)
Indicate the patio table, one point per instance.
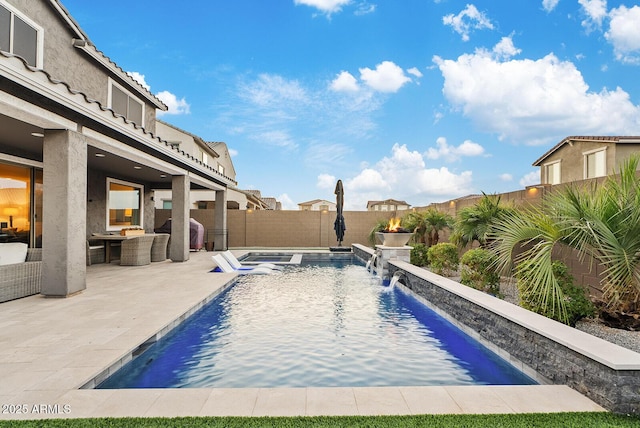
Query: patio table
point(108, 238)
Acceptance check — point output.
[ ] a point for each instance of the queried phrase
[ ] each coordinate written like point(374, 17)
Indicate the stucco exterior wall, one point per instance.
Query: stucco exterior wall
point(69, 64)
point(572, 158)
point(97, 203)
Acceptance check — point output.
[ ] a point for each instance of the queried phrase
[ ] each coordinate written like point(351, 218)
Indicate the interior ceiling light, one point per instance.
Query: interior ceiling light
point(37, 134)
point(137, 167)
point(163, 175)
point(100, 155)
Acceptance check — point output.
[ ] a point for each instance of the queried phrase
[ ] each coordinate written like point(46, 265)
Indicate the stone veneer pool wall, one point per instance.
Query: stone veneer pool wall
point(544, 349)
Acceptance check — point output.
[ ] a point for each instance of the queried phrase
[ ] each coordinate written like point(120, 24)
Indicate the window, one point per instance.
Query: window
point(552, 171)
point(124, 204)
point(166, 204)
point(595, 164)
point(221, 169)
point(125, 104)
point(20, 36)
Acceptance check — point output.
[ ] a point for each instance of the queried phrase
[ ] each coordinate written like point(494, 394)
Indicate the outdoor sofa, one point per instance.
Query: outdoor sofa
point(23, 278)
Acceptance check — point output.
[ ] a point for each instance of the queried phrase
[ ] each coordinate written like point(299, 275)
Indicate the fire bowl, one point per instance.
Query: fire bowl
point(393, 239)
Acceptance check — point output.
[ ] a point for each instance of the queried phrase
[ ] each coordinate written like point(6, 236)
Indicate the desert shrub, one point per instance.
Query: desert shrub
point(478, 271)
point(418, 255)
point(535, 297)
point(443, 258)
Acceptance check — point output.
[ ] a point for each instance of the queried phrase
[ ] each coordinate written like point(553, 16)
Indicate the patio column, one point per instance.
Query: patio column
point(179, 250)
point(220, 221)
point(64, 207)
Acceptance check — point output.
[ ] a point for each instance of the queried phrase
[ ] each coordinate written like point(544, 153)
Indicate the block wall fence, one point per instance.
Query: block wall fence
point(313, 229)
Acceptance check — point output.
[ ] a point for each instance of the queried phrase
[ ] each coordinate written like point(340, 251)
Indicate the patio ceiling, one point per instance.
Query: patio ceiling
point(16, 138)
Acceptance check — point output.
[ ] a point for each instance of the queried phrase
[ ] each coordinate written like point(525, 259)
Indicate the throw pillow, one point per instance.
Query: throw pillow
point(12, 253)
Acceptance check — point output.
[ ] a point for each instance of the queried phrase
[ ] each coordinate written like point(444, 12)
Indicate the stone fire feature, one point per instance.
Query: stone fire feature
point(385, 253)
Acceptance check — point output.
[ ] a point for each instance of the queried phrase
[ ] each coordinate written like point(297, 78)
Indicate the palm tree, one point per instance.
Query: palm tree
point(602, 222)
point(473, 223)
point(427, 225)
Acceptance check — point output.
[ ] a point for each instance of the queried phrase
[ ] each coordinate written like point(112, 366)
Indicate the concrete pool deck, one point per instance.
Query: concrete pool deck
point(50, 348)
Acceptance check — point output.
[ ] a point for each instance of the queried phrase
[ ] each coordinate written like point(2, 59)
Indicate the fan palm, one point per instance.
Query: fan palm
point(427, 225)
point(602, 222)
point(473, 223)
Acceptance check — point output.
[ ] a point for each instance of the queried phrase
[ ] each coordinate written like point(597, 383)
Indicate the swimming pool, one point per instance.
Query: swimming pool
point(322, 323)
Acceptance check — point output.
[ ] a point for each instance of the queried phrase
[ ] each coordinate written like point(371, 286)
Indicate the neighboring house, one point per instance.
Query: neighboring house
point(78, 140)
point(189, 144)
point(215, 155)
point(387, 205)
point(317, 205)
point(580, 158)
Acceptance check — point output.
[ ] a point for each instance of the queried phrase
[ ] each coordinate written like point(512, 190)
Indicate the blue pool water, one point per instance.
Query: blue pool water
point(317, 325)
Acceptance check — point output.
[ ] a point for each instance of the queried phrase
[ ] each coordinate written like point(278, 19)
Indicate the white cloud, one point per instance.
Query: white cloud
point(451, 153)
point(271, 90)
point(414, 71)
point(277, 138)
point(325, 6)
point(549, 5)
point(233, 153)
point(623, 33)
point(530, 179)
point(533, 101)
point(326, 181)
point(269, 109)
point(506, 177)
point(139, 78)
point(287, 202)
point(344, 82)
point(405, 176)
point(467, 20)
point(505, 48)
point(596, 11)
point(387, 77)
point(365, 8)
point(175, 105)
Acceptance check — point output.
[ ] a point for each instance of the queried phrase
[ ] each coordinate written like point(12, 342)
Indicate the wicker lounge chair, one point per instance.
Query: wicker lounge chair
point(159, 247)
point(136, 251)
point(22, 279)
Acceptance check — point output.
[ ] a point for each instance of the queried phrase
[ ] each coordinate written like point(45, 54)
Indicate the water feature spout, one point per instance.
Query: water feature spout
point(396, 278)
point(371, 263)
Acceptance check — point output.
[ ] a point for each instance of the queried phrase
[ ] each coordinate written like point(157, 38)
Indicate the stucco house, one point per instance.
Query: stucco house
point(78, 139)
point(317, 205)
point(214, 154)
point(388, 205)
point(579, 158)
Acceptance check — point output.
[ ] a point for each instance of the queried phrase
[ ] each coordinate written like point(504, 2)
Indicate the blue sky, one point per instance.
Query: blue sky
point(417, 100)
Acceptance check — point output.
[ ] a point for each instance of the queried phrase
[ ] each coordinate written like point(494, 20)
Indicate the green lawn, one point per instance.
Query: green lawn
point(546, 420)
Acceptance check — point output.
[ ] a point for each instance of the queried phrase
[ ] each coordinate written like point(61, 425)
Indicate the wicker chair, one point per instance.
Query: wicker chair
point(95, 253)
point(159, 247)
point(22, 279)
point(136, 251)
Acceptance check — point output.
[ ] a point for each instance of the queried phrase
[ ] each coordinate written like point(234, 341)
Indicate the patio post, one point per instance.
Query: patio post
point(220, 221)
point(64, 207)
point(179, 250)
